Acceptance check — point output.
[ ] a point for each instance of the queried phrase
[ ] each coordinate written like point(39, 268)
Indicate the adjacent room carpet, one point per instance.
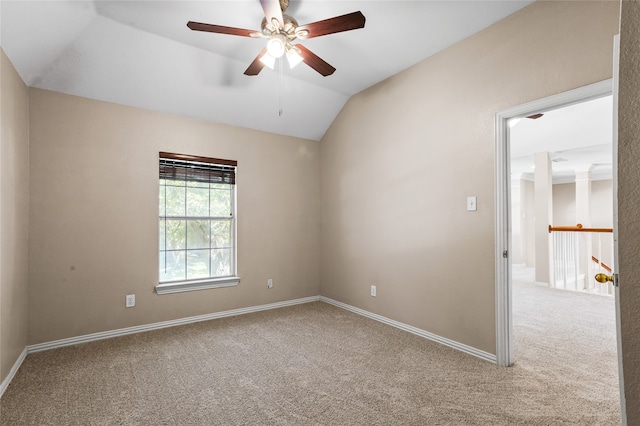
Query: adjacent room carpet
point(316, 364)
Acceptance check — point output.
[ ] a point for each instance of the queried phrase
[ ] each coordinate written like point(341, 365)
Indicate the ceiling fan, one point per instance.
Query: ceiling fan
point(515, 120)
point(281, 30)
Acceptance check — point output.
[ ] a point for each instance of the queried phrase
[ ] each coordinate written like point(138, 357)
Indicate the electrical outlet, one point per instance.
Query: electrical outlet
point(130, 300)
point(270, 283)
point(373, 291)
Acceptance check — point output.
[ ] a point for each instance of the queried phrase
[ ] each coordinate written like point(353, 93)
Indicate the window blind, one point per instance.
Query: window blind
point(197, 169)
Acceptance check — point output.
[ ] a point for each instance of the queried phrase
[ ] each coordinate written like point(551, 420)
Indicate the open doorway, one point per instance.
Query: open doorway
point(562, 236)
point(521, 313)
point(562, 196)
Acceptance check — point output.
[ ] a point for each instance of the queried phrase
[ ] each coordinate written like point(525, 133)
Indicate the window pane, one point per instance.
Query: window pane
point(197, 202)
point(221, 202)
point(221, 234)
point(162, 199)
point(176, 234)
point(197, 264)
point(197, 184)
point(198, 232)
point(175, 201)
point(220, 262)
point(162, 234)
point(224, 186)
point(174, 266)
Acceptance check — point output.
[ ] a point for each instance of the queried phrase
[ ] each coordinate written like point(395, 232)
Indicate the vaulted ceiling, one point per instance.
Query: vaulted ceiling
point(141, 54)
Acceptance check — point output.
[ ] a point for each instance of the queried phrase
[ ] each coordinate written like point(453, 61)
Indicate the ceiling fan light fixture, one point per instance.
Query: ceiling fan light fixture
point(276, 46)
point(293, 56)
point(268, 60)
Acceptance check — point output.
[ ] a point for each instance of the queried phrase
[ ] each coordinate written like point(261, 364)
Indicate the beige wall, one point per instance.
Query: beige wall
point(14, 213)
point(564, 204)
point(628, 204)
point(601, 202)
point(393, 202)
point(94, 210)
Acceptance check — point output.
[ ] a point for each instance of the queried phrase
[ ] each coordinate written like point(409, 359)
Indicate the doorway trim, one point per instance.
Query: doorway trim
point(503, 245)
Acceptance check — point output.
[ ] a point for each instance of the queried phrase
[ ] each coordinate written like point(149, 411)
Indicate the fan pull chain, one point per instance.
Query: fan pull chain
point(280, 66)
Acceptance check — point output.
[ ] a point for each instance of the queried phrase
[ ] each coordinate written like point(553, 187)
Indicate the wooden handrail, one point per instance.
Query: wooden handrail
point(604, 265)
point(577, 228)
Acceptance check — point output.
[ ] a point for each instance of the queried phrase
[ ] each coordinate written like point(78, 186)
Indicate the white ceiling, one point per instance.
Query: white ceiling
point(578, 138)
point(141, 54)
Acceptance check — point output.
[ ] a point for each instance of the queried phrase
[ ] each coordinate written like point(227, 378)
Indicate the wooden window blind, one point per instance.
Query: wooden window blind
point(197, 169)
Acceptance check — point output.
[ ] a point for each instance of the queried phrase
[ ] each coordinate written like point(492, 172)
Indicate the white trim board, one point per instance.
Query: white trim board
point(414, 330)
point(29, 349)
point(16, 366)
point(164, 324)
point(188, 320)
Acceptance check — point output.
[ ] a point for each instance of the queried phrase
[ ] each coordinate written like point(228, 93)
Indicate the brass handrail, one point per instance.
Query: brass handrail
point(604, 265)
point(577, 228)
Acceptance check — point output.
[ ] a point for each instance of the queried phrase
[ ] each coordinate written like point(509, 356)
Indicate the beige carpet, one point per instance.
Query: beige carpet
point(318, 364)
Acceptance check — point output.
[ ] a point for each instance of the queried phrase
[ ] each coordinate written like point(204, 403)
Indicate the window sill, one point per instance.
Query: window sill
point(180, 286)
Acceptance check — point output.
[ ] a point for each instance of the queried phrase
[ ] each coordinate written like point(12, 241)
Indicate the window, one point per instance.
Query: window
point(197, 223)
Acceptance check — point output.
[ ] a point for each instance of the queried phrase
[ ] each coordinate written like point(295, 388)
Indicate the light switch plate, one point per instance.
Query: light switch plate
point(472, 204)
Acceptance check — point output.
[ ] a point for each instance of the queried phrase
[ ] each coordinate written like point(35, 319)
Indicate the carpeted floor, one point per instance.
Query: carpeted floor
point(318, 364)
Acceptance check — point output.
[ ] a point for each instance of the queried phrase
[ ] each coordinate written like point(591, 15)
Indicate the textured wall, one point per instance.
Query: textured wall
point(94, 215)
point(628, 204)
point(393, 203)
point(601, 202)
point(14, 194)
point(564, 204)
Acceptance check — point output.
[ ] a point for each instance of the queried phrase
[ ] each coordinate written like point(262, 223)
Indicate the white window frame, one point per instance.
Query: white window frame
point(178, 286)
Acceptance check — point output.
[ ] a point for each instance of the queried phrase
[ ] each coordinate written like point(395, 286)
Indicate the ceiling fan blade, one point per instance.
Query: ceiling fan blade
point(256, 66)
point(219, 29)
point(272, 10)
point(350, 21)
point(535, 116)
point(314, 61)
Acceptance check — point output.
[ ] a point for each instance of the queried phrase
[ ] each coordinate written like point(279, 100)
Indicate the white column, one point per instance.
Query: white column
point(544, 217)
point(583, 216)
point(516, 220)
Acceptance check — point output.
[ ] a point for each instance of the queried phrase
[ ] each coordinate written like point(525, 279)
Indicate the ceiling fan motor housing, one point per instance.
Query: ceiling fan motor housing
point(290, 25)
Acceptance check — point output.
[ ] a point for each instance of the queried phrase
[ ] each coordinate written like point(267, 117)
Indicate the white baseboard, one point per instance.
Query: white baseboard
point(164, 324)
point(188, 320)
point(16, 366)
point(422, 333)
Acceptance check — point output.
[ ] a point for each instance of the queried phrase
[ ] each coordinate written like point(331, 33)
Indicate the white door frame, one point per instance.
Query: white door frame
point(616, 264)
point(504, 318)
